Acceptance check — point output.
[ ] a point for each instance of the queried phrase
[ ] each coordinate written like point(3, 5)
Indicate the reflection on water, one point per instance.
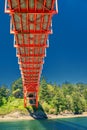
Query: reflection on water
point(57, 124)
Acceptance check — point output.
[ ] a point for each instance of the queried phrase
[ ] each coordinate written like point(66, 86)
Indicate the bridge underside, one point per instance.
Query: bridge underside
point(31, 24)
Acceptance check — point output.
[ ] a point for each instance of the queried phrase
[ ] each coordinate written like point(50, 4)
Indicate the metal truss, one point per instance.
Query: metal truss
point(31, 23)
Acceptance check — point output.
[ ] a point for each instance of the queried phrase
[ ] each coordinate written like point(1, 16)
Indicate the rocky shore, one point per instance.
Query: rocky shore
point(19, 116)
point(67, 116)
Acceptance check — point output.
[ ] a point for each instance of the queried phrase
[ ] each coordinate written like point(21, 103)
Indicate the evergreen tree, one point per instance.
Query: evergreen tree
point(17, 88)
point(44, 92)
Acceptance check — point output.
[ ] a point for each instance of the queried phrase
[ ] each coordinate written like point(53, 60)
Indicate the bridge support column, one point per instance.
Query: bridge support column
point(37, 99)
point(25, 102)
point(25, 98)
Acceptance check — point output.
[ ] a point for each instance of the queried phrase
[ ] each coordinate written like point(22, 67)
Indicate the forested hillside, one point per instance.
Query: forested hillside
point(54, 99)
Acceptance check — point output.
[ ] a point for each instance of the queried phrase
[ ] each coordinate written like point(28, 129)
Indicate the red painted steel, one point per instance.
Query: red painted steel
point(31, 24)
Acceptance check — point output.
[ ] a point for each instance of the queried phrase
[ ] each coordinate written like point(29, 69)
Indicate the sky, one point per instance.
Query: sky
point(67, 55)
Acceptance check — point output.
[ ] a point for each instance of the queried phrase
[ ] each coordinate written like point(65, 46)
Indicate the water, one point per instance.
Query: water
point(57, 124)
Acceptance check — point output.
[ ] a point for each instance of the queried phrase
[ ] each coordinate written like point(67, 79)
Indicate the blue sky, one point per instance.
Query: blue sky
point(67, 55)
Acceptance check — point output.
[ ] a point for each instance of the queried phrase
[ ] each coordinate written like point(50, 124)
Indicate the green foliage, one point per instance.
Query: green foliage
point(79, 103)
point(54, 99)
point(4, 94)
point(46, 107)
point(44, 93)
point(13, 105)
point(17, 93)
point(17, 88)
point(67, 97)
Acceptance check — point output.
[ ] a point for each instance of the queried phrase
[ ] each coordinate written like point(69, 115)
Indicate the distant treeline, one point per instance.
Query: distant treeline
point(55, 99)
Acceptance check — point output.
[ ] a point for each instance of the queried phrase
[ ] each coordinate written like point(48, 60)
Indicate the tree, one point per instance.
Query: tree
point(17, 88)
point(79, 103)
point(44, 92)
point(4, 94)
point(17, 93)
point(69, 103)
point(59, 102)
point(68, 88)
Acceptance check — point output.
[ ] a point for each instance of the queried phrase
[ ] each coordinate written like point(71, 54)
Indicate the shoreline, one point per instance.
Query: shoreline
point(66, 116)
point(16, 117)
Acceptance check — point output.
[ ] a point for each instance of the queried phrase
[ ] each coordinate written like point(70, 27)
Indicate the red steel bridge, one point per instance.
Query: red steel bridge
point(31, 23)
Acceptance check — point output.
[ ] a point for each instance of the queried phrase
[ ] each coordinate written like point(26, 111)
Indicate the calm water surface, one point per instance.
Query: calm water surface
point(57, 124)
